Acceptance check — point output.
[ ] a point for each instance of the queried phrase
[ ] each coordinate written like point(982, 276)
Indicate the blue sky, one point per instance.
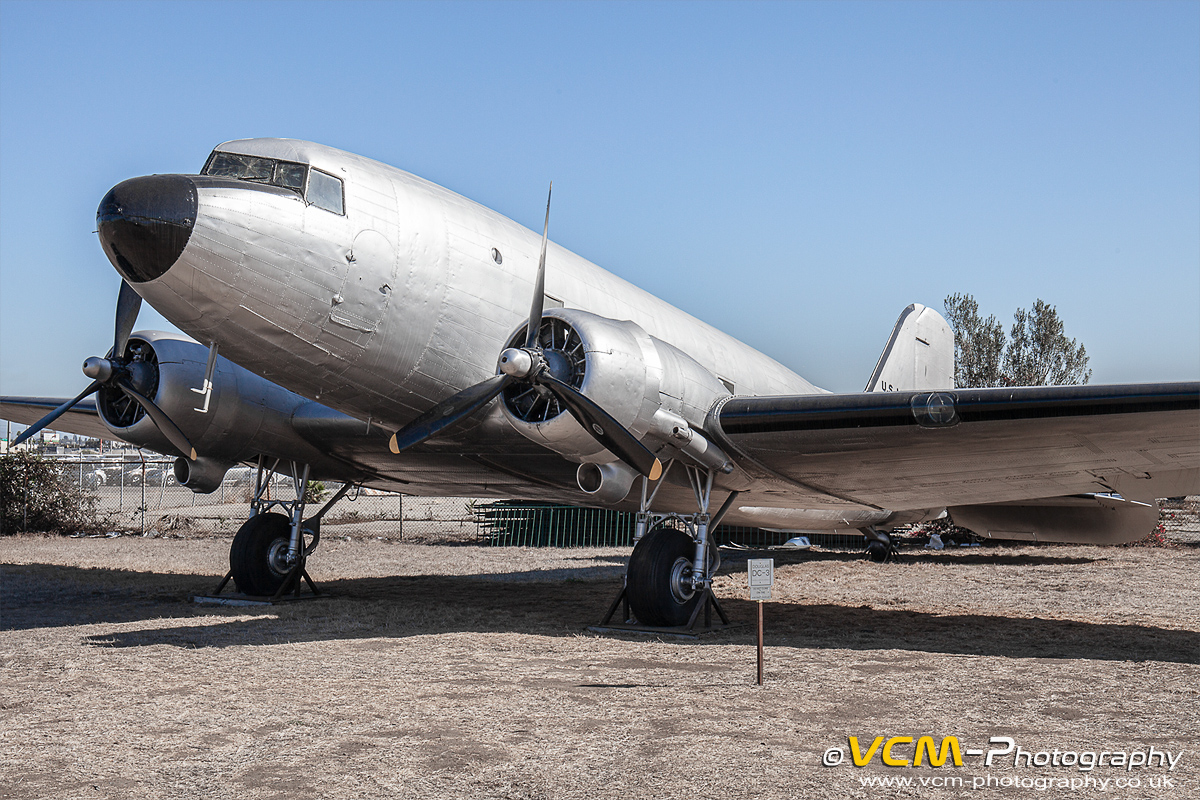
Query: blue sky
point(792, 173)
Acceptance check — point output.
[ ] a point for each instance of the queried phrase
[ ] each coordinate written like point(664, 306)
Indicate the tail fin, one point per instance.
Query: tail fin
point(919, 355)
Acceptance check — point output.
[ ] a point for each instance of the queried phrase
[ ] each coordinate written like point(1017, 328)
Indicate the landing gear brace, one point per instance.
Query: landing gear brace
point(669, 578)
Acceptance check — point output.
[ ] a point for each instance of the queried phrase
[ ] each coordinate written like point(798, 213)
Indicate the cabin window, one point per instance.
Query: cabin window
point(324, 191)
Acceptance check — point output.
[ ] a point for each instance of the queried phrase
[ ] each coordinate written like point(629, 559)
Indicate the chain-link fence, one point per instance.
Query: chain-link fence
point(133, 493)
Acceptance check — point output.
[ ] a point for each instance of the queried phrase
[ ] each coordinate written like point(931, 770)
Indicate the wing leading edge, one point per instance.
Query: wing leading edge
point(904, 450)
point(82, 419)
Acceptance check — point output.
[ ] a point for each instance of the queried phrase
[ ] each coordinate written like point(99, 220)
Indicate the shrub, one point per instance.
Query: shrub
point(36, 495)
point(315, 491)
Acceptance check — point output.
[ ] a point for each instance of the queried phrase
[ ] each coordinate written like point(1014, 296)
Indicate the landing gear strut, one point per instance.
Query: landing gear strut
point(269, 552)
point(669, 579)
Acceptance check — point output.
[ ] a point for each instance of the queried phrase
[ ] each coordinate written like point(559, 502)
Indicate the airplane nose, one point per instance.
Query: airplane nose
point(144, 224)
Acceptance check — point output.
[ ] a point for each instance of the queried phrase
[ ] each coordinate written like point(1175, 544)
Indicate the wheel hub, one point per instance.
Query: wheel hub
point(277, 557)
point(681, 580)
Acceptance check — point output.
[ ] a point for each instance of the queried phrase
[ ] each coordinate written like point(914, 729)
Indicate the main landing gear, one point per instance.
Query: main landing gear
point(880, 547)
point(669, 578)
point(269, 552)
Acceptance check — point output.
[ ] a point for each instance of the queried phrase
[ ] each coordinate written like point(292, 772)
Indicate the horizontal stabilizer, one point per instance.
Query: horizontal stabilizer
point(919, 355)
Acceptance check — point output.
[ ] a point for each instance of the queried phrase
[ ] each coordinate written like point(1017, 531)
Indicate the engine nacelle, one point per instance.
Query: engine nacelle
point(628, 372)
point(240, 416)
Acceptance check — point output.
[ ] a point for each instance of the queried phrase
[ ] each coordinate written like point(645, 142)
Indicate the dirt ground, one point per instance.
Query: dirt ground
point(462, 671)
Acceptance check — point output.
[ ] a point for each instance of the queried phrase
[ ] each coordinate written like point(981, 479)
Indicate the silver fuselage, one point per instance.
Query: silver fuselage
point(385, 310)
point(409, 296)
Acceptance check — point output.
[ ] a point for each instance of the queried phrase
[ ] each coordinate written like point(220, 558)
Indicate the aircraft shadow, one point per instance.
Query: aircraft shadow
point(942, 557)
point(41, 596)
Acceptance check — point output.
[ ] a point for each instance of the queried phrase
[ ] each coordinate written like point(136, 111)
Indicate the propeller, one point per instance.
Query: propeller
point(528, 365)
point(115, 371)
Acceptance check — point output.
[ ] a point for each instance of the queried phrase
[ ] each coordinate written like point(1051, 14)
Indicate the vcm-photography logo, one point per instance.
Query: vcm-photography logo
point(909, 751)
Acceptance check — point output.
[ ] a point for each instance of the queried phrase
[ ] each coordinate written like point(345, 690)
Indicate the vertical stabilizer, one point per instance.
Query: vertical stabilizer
point(919, 355)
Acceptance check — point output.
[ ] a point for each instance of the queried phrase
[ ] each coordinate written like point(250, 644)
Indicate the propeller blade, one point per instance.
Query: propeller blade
point(36, 427)
point(129, 303)
point(603, 428)
point(448, 412)
point(539, 288)
point(160, 419)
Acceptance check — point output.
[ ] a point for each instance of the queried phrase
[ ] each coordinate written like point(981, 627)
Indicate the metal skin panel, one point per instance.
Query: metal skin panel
point(688, 388)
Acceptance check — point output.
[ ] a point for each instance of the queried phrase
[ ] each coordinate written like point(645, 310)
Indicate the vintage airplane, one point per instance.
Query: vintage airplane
point(376, 329)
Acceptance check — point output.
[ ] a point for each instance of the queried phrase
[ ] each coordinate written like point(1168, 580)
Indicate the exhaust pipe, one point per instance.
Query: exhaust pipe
point(202, 476)
point(607, 483)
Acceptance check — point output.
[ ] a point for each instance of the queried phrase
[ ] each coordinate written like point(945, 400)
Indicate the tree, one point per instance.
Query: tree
point(1037, 351)
point(978, 344)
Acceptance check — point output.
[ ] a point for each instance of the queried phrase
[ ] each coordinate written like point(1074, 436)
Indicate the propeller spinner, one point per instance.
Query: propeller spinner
point(528, 365)
point(119, 372)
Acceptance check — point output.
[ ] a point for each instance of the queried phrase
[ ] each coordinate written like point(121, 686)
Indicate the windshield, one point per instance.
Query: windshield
point(323, 190)
point(287, 174)
point(246, 168)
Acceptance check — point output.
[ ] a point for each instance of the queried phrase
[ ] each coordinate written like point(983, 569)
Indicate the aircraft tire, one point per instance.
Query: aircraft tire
point(652, 568)
point(880, 552)
point(250, 556)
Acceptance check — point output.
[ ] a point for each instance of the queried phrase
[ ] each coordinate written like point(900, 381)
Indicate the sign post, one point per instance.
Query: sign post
point(761, 574)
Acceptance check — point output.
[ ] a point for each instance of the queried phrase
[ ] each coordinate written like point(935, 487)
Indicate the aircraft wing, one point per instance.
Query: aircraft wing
point(82, 419)
point(906, 450)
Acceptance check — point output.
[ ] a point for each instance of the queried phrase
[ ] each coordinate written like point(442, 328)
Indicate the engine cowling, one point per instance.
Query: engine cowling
point(629, 373)
point(241, 416)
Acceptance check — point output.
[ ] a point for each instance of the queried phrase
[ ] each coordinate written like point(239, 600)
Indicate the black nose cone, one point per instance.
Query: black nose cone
point(145, 223)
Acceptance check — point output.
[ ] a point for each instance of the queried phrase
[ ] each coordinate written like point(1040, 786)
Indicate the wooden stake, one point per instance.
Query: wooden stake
point(760, 643)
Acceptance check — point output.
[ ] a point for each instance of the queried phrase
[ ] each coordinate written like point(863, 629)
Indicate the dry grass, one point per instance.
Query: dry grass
point(457, 671)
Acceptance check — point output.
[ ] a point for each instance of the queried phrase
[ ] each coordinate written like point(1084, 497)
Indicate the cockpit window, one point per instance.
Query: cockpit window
point(246, 168)
point(325, 191)
point(289, 175)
